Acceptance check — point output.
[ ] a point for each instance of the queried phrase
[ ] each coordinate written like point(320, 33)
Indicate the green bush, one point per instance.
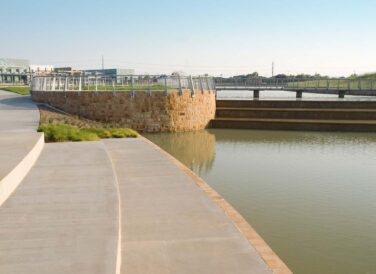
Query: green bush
point(63, 133)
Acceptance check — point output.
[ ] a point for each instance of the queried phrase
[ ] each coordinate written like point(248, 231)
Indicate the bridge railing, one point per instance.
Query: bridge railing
point(131, 83)
point(301, 84)
point(335, 84)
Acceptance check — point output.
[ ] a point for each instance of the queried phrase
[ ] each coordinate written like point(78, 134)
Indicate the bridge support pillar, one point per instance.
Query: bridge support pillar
point(341, 94)
point(256, 94)
point(299, 94)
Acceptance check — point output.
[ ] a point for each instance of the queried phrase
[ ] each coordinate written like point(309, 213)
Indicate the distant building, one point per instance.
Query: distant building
point(41, 69)
point(109, 72)
point(63, 70)
point(14, 71)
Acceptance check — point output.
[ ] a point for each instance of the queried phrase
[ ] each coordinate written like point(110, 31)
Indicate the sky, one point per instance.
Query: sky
point(218, 37)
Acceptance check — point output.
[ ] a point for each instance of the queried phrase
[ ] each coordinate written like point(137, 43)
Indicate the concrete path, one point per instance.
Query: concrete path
point(17, 113)
point(63, 218)
point(20, 144)
point(169, 225)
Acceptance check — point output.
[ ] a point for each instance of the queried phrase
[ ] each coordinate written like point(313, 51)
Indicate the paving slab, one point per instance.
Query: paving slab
point(63, 217)
point(169, 224)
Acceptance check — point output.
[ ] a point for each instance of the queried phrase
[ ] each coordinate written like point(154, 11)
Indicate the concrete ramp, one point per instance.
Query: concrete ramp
point(63, 217)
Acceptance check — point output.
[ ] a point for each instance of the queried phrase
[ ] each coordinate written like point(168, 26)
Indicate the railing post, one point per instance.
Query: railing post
point(207, 84)
point(165, 83)
point(66, 84)
point(180, 88)
point(192, 86)
point(79, 85)
point(201, 86)
point(132, 90)
point(113, 87)
point(149, 88)
point(53, 83)
point(96, 84)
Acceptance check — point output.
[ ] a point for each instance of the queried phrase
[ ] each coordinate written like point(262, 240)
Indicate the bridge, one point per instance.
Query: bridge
point(341, 87)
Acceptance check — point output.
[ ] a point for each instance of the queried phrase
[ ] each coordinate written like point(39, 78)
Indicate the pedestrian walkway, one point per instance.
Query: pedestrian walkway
point(169, 225)
point(17, 113)
point(63, 217)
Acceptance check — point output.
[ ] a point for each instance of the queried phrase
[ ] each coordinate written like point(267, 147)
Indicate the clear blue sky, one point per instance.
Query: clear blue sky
point(335, 37)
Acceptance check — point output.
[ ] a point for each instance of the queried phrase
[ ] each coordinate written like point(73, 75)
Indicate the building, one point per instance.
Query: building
point(41, 69)
point(14, 71)
point(112, 73)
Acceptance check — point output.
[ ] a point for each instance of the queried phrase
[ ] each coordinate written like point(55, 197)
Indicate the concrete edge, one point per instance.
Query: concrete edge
point(262, 248)
point(11, 181)
point(118, 251)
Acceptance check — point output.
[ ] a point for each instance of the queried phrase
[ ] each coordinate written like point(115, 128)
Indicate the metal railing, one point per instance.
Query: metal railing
point(300, 84)
point(132, 83)
point(14, 79)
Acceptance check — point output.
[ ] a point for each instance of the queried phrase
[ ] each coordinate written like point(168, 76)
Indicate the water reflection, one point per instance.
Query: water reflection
point(196, 149)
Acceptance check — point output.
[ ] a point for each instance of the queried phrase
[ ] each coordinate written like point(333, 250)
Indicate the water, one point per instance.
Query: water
point(310, 195)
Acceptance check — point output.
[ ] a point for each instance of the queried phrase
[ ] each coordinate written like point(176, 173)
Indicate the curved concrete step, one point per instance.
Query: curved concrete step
point(296, 124)
point(358, 104)
point(18, 154)
point(297, 113)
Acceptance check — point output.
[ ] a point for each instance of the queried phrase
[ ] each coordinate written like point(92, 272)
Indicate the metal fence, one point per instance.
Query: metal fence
point(303, 84)
point(14, 79)
point(131, 83)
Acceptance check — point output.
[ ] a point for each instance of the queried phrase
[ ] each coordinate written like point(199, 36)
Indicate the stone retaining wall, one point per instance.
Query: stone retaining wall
point(156, 112)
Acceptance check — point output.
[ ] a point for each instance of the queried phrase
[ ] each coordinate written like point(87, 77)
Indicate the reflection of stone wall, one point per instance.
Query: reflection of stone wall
point(150, 113)
point(194, 149)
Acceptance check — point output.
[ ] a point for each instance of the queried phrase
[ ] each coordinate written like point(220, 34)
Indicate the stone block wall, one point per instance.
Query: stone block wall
point(155, 112)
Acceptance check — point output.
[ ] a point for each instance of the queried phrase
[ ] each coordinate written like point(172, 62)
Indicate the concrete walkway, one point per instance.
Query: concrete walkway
point(63, 218)
point(17, 113)
point(169, 225)
point(20, 144)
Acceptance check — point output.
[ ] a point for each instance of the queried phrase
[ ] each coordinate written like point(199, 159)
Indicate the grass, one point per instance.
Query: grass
point(58, 127)
point(64, 133)
point(22, 90)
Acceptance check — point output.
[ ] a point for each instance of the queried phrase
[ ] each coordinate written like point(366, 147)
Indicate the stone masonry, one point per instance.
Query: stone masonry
point(155, 112)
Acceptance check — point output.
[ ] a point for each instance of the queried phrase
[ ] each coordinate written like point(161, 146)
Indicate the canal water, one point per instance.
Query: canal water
point(310, 195)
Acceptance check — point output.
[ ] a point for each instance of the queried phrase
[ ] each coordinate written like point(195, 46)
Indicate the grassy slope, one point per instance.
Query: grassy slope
point(64, 132)
point(22, 90)
point(59, 127)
